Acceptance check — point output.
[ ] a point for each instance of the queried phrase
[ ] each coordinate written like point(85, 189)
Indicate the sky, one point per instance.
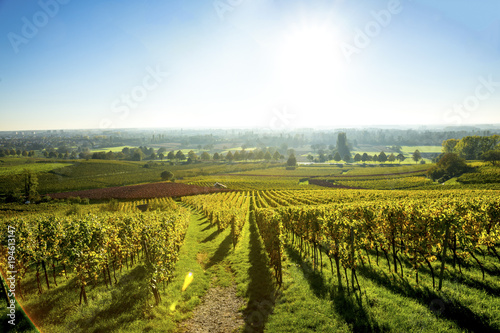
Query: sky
point(271, 64)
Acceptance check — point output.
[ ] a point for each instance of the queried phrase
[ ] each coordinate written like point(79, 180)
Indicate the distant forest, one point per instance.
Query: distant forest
point(63, 141)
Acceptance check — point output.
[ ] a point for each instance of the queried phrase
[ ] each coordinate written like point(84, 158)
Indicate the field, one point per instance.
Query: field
point(14, 166)
point(145, 191)
point(324, 248)
point(91, 174)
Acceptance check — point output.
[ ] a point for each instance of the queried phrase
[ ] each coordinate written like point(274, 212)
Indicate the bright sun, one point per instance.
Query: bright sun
point(309, 65)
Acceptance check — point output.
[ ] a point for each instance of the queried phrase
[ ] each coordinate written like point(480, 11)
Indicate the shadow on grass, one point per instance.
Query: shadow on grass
point(452, 310)
point(208, 227)
point(54, 304)
point(315, 279)
point(349, 307)
point(128, 299)
point(210, 237)
point(261, 292)
point(223, 250)
point(464, 279)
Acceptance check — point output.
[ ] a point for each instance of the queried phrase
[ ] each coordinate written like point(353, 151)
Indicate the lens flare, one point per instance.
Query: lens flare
point(187, 281)
point(172, 306)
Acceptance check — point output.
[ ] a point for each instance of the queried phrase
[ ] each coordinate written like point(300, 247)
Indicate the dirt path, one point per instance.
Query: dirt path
point(218, 312)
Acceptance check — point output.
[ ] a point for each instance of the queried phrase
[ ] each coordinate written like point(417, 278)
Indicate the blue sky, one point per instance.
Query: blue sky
point(248, 63)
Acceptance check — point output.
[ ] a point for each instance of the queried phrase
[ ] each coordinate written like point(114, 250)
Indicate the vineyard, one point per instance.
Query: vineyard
point(137, 191)
point(319, 259)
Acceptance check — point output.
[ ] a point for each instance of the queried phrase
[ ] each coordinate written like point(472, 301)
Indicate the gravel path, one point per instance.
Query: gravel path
point(218, 312)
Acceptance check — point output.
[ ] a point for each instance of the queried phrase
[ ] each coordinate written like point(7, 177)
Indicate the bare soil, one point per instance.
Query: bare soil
point(218, 312)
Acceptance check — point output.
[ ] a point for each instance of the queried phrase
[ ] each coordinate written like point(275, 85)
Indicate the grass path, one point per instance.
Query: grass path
point(219, 265)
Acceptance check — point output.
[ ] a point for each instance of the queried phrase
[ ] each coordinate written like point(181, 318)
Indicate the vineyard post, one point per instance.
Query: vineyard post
point(352, 256)
point(443, 257)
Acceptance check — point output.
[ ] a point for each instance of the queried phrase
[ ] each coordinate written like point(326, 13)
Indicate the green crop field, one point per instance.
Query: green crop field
point(10, 168)
point(113, 149)
point(422, 149)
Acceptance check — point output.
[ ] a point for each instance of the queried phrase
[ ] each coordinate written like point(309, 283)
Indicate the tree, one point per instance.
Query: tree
point(30, 186)
point(192, 155)
point(400, 157)
point(449, 145)
point(216, 157)
point(382, 157)
point(229, 156)
point(357, 158)
point(205, 156)
point(137, 155)
point(259, 155)
point(347, 158)
point(292, 161)
point(171, 155)
point(364, 157)
point(180, 155)
point(375, 158)
point(161, 156)
point(276, 155)
point(267, 156)
point(391, 158)
point(337, 157)
point(416, 156)
point(167, 175)
point(310, 157)
point(472, 147)
point(342, 146)
point(491, 156)
point(449, 165)
point(236, 156)
point(24, 153)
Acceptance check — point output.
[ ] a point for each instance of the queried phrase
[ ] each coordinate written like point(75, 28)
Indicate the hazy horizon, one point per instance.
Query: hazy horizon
point(277, 65)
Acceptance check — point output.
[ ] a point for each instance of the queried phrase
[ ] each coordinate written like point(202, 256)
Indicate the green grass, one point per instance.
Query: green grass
point(253, 278)
point(14, 166)
point(423, 149)
point(113, 149)
point(311, 301)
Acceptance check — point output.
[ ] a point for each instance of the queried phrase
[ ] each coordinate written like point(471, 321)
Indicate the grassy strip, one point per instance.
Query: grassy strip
point(310, 300)
point(253, 278)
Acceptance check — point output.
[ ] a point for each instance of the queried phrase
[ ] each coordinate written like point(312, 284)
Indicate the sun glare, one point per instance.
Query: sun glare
point(309, 64)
